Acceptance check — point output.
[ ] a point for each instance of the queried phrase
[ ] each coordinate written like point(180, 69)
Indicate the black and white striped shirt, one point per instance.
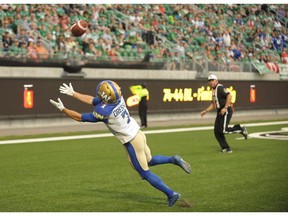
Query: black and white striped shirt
point(219, 95)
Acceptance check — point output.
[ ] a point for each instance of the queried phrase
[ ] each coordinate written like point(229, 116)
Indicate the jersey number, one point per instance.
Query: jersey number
point(124, 114)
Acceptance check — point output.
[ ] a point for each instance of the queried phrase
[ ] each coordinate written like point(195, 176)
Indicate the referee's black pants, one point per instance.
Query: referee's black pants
point(143, 114)
point(221, 127)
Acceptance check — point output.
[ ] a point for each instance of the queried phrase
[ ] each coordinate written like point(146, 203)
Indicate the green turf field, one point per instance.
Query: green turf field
point(93, 175)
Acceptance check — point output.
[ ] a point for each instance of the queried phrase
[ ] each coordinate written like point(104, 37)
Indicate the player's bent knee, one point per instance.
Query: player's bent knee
point(135, 163)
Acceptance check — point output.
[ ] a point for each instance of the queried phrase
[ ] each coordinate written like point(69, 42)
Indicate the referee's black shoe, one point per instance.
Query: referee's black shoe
point(244, 132)
point(226, 150)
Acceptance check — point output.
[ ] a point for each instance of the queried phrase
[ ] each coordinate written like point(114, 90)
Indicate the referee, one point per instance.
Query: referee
point(143, 105)
point(221, 100)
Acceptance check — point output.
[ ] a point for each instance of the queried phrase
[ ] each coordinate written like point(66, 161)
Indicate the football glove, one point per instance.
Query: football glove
point(65, 89)
point(59, 105)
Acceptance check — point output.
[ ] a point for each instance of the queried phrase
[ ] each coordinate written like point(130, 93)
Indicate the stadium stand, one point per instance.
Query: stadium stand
point(211, 37)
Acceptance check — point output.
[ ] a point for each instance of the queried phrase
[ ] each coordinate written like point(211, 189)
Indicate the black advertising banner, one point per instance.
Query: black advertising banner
point(30, 97)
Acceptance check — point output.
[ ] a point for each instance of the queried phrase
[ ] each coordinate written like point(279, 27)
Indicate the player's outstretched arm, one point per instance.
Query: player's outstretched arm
point(70, 113)
point(88, 99)
point(68, 90)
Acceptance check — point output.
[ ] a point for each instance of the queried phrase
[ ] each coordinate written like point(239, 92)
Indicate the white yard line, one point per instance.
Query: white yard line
point(49, 139)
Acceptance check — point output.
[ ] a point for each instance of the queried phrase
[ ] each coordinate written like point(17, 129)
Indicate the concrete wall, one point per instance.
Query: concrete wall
point(180, 118)
point(92, 73)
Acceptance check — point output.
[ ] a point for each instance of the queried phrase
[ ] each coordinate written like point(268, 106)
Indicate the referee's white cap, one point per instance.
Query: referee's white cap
point(212, 77)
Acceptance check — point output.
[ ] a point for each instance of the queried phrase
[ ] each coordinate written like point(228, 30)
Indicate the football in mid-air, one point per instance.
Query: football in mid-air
point(79, 28)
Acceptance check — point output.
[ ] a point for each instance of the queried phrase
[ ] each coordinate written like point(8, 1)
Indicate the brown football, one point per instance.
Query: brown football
point(79, 28)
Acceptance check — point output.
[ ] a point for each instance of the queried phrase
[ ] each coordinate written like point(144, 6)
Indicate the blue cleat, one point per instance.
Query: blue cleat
point(183, 164)
point(172, 200)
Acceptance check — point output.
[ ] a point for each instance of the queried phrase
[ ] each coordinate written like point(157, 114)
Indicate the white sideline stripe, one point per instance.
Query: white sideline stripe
point(49, 139)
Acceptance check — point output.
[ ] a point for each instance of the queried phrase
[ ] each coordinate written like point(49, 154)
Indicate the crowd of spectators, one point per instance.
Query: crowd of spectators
point(222, 34)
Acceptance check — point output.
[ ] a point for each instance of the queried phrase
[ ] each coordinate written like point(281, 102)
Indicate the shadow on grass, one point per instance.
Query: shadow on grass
point(127, 195)
point(139, 198)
